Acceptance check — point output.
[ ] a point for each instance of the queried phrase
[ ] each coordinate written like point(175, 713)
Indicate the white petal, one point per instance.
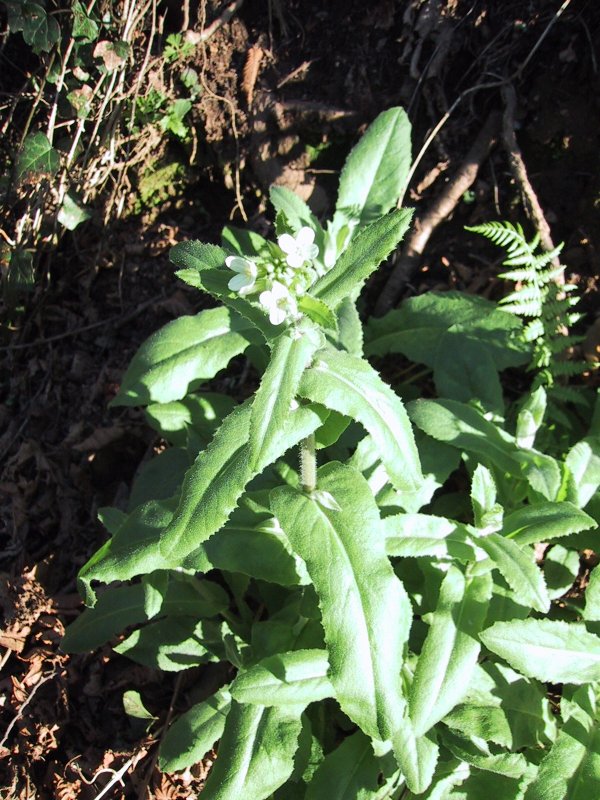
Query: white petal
point(295, 259)
point(279, 291)
point(277, 315)
point(286, 242)
point(305, 237)
point(238, 282)
point(236, 263)
point(267, 300)
point(312, 252)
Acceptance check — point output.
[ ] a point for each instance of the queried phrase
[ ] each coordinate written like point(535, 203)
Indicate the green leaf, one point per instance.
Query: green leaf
point(450, 651)
point(543, 522)
point(159, 478)
point(191, 736)
point(318, 312)
point(583, 461)
point(350, 337)
point(37, 158)
point(465, 369)
point(298, 214)
point(134, 707)
point(486, 512)
point(19, 276)
point(244, 243)
point(291, 353)
point(297, 677)
point(503, 707)
point(179, 357)
point(199, 414)
point(478, 754)
point(72, 213)
point(374, 175)
point(366, 613)
point(350, 771)
point(561, 567)
point(572, 767)
point(530, 417)
point(256, 752)
point(420, 327)
point(426, 535)
point(84, 27)
point(366, 252)
point(549, 650)
point(40, 30)
point(518, 568)
point(466, 428)
point(350, 386)
point(171, 644)
point(591, 611)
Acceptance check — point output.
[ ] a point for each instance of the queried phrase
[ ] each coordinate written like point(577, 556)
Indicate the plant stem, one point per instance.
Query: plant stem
point(308, 464)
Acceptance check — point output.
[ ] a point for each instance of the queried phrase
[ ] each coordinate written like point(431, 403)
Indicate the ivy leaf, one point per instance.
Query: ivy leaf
point(84, 27)
point(552, 651)
point(350, 386)
point(39, 29)
point(37, 158)
point(72, 213)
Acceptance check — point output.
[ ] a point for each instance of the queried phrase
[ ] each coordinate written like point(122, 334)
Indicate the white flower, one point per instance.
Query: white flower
point(279, 303)
point(244, 281)
point(299, 248)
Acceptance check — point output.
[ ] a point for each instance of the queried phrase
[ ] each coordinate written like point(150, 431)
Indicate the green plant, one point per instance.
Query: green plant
point(388, 629)
point(545, 299)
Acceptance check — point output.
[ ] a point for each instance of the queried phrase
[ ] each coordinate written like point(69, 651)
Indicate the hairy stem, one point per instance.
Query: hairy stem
point(308, 464)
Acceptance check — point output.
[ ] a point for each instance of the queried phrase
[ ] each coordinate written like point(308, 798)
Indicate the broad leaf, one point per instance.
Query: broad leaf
point(427, 535)
point(170, 644)
point(37, 157)
point(543, 522)
point(200, 413)
point(297, 677)
point(375, 172)
point(179, 357)
point(350, 386)
point(591, 611)
point(256, 752)
point(350, 771)
point(364, 254)
point(450, 651)
point(583, 461)
point(518, 569)
point(549, 650)
point(192, 735)
point(366, 613)
point(572, 767)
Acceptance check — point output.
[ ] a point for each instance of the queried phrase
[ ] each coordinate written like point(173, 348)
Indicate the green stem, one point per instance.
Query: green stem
point(308, 464)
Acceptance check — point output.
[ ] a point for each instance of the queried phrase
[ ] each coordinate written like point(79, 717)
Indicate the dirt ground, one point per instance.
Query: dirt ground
point(291, 86)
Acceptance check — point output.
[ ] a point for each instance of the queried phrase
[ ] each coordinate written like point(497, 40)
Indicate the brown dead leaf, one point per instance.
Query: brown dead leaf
point(250, 73)
point(100, 438)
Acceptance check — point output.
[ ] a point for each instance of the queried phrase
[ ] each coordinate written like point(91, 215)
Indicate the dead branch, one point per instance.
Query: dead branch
point(442, 207)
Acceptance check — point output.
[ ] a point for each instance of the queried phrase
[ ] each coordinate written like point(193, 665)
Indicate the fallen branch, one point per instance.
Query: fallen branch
point(442, 207)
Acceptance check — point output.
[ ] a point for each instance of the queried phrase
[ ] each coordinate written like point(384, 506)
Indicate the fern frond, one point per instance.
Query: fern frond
point(522, 309)
point(567, 369)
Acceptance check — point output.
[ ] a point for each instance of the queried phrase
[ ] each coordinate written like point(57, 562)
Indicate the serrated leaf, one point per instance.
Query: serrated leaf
point(583, 461)
point(256, 752)
point(366, 613)
point(295, 678)
point(192, 735)
point(561, 568)
point(426, 535)
point(171, 644)
point(549, 650)
point(476, 753)
point(159, 478)
point(572, 767)
point(271, 407)
point(350, 386)
point(374, 175)
point(350, 771)
point(350, 336)
point(366, 251)
point(450, 651)
point(518, 568)
point(543, 522)
point(181, 355)
point(318, 312)
point(37, 158)
point(200, 413)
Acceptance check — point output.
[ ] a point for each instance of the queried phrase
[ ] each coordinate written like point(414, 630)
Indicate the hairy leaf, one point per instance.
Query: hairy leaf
point(297, 677)
point(192, 735)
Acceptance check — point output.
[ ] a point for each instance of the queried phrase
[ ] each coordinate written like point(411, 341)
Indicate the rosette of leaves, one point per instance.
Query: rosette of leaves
point(378, 646)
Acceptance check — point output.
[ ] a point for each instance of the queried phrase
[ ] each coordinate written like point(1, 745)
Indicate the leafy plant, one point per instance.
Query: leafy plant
point(545, 300)
point(388, 628)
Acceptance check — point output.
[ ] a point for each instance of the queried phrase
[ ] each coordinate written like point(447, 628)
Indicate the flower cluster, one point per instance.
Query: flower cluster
point(278, 282)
